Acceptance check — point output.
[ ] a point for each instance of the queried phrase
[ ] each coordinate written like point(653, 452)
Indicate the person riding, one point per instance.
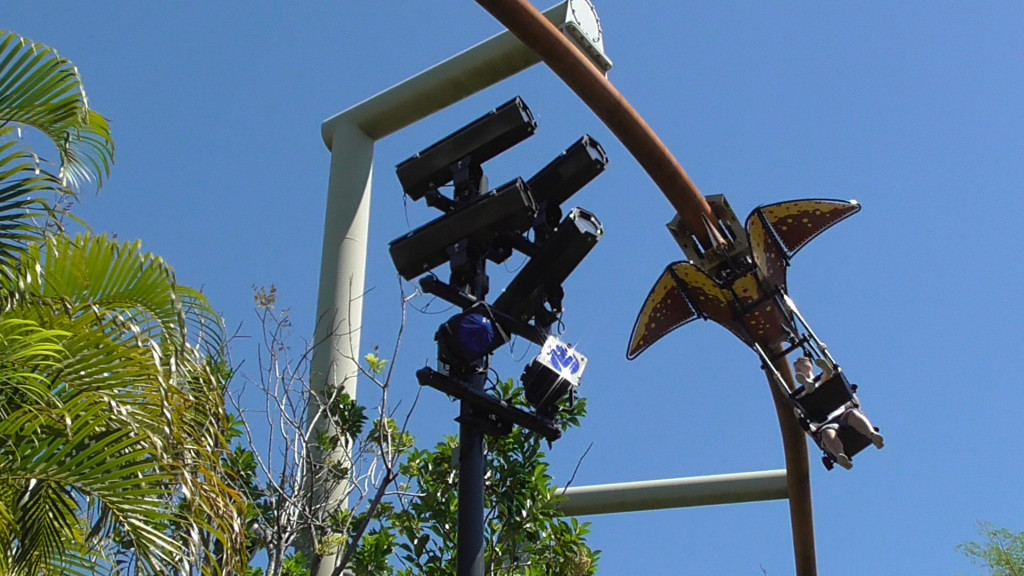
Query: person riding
point(852, 417)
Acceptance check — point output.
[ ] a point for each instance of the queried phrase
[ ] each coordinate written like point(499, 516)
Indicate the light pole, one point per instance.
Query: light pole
point(350, 136)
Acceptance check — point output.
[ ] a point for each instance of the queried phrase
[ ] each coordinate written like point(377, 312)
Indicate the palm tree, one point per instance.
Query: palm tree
point(111, 374)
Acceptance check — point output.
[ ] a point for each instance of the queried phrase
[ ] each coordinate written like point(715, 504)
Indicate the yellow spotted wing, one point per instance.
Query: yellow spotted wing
point(681, 294)
point(797, 222)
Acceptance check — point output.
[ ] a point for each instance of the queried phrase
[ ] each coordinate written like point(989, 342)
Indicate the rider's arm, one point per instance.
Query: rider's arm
point(826, 370)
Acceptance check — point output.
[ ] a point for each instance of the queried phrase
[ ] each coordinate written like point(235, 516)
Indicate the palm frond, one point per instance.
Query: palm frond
point(134, 290)
point(27, 351)
point(26, 204)
point(40, 89)
point(128, 348)
point(91, 462)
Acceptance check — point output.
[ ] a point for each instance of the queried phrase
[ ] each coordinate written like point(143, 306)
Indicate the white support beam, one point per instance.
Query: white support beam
point(675, 493)
point(468, 72)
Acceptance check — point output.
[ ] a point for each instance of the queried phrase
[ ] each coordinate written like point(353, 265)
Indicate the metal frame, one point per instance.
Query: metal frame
point(351, 136)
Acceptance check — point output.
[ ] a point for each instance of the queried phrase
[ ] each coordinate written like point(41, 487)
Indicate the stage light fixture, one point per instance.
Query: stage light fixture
point(540, 280)
point(552, 375)
point(569, 172)
point(480, 140)
point(469, 335)
point(478, 225)
point(509, 208)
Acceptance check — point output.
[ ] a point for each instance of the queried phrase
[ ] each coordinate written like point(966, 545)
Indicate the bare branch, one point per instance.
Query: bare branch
point(577, 469)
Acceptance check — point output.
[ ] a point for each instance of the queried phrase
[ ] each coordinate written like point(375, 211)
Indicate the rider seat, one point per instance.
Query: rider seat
point(826, 404)
point(829, 396)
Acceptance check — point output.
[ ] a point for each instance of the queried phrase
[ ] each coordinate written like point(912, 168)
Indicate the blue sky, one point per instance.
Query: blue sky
point(912, 109)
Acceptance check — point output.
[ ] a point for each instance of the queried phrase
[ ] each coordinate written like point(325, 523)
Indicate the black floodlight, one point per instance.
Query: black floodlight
point(552, 375)
point(480, 140)
point(541, 278)
point(509, 208)
point(569, 172)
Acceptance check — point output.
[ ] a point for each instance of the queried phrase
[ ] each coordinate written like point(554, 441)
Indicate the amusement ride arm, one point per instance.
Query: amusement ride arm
point(597, 92)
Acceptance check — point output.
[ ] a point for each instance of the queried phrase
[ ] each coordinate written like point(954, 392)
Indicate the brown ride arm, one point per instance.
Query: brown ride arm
point(597, 92)
point(594, 89)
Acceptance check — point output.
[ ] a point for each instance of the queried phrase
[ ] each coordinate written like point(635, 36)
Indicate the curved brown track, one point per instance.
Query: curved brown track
point(536, 32)
point(594, 89)
point(798, 476)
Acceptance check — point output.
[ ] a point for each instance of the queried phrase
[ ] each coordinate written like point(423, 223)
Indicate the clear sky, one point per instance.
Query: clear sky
point(913, 109)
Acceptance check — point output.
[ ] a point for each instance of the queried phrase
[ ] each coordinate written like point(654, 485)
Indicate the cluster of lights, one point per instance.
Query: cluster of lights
point(480, 224)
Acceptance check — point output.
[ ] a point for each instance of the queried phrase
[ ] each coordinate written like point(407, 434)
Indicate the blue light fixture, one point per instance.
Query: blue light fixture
point(468, 337)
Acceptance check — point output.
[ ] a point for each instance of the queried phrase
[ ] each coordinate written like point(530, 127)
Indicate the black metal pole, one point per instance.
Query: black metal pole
point(470, 551)
point(469, 274)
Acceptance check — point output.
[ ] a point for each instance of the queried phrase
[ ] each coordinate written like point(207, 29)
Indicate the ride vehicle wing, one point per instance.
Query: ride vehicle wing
point(741, 283)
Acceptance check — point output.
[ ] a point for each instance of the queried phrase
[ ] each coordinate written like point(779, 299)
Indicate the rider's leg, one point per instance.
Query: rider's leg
point(834, 445)
point(859, 422)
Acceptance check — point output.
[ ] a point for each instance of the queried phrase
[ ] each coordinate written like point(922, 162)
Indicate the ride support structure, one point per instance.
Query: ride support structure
point(695, 215)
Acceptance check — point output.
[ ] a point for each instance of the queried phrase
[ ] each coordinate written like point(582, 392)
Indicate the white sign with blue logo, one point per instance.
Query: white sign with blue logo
point(563, 360)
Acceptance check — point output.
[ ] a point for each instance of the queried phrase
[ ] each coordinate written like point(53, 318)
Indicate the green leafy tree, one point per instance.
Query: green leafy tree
point(401, 519)
point(1001, 551)
point(111, 403)
point(525, 534)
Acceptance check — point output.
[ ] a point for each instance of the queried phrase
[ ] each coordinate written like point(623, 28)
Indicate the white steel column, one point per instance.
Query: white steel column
point(343, 260)
point(335, 363)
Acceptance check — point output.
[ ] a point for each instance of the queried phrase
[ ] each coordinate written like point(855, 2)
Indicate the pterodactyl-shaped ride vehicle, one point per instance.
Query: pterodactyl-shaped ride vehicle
point(741, 284)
